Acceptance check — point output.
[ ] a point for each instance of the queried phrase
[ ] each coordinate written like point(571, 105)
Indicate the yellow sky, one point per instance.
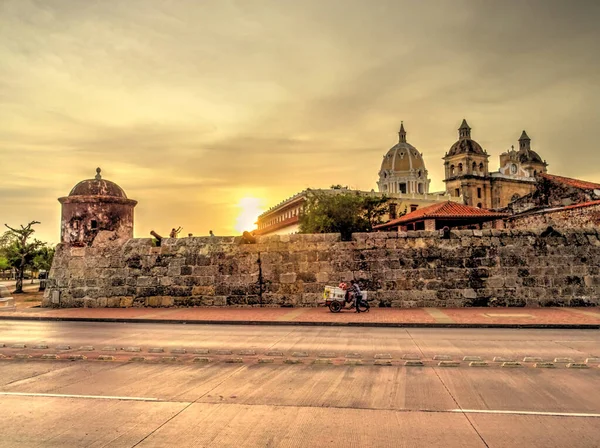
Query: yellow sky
point(193, 107)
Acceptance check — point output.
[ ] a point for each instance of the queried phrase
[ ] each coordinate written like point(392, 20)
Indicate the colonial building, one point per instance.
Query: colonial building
point(403, 179)
point(283, 218)
point(467, 173)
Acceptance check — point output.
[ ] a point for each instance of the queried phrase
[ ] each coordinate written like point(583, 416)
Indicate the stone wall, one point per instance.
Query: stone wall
point(472, 268)
point(579, 216)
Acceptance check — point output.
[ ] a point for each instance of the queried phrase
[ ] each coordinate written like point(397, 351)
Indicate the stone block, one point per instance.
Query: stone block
point(203, 290)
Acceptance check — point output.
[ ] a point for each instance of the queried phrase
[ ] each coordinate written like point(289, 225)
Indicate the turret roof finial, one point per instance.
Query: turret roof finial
point(98, 176)
point(402, 133)
point(464, 131)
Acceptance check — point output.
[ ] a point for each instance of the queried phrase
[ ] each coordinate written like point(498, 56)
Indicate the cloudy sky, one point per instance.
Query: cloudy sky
point(200, 109)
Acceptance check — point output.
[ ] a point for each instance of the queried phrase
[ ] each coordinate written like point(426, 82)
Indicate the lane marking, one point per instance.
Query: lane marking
point(93, 397)
point(550, 414)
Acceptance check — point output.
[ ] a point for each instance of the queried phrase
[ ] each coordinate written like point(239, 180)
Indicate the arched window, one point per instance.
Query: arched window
point(460, 168)
point(452, 170)
point(481, 167)
point(534, 173)
point(474, 166)
point(479, 205)
point(420, 188)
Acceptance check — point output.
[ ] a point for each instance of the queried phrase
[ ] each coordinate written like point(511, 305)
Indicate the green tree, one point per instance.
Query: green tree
point(42, 260)
point(344, 212)
point(4, 264)
point(21, 251)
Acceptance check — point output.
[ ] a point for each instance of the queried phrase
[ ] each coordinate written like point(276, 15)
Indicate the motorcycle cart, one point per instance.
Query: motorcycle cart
point(335, 299)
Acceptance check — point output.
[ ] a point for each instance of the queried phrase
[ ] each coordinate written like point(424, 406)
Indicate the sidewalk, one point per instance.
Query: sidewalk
point(384, 317)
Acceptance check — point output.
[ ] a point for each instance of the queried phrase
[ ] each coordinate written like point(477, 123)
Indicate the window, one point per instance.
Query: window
point(474, 166)
point(413, 207)
point(94, 224)
point(481, 167)
point(402, 186)
point(479, 193)
point(460, 168)
point(420, 188)
point(457, 192)
point(479, 205)
point(452, 170)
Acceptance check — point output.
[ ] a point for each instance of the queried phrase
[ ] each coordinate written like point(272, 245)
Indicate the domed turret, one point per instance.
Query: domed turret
point(94, 205)
point(97, 187)
point(403, 169)
point(465, 145)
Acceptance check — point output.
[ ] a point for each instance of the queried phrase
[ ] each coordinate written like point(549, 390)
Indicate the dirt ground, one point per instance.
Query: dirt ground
point(31, 296)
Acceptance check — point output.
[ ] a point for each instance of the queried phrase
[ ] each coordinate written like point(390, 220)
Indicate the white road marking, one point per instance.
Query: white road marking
point(93, 397)
point(550, 414)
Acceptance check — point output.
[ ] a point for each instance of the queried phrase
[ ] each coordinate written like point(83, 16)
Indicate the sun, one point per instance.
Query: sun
point(250, 208)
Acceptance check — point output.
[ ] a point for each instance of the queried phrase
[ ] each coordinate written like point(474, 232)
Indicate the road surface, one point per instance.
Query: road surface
point(247, 386)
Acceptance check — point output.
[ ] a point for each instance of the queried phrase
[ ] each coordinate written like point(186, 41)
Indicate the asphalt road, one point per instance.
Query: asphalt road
point(246, 386)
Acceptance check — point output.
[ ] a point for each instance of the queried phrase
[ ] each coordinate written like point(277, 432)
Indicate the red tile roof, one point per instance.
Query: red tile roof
point(443, 210)
point(571, 182)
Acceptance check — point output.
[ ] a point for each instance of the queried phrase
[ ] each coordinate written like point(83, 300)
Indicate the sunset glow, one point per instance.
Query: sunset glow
point(250, 208)
point(184, 104)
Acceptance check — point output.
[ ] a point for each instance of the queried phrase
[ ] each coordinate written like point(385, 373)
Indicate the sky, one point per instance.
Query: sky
point(208, 112)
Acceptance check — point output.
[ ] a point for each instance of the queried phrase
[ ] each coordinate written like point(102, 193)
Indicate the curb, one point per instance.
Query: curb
point(300, 323)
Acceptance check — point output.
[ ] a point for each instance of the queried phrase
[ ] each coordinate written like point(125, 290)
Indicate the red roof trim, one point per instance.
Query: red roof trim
point(583, 204)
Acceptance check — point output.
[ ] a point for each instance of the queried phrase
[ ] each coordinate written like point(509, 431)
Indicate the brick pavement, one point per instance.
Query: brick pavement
point(460, 317)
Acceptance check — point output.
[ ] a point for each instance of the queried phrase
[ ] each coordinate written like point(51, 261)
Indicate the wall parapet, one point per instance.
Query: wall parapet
point(509, 267)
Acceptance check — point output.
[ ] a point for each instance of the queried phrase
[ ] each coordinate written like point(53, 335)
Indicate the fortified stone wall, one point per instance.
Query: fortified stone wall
point(572, 216)
point(414, 269)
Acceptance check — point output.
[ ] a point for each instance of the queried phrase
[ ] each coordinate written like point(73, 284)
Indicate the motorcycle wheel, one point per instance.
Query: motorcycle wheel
point(335, 307)
point(363, 306)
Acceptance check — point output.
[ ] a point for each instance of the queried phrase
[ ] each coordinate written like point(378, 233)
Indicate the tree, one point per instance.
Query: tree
point(21, 251)
point(343, 212)
point(42, 260)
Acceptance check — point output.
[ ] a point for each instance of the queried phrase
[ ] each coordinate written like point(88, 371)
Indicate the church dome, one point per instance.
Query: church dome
point(465, 145)
point(403, 169)
point(97, 187)
point(402, 157)
point(525, 154)
point(529, 156)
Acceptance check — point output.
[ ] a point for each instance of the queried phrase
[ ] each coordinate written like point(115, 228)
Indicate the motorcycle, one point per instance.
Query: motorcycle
point(338, 299)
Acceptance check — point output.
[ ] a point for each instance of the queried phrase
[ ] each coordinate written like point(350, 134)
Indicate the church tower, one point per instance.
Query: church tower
point(466, 170)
